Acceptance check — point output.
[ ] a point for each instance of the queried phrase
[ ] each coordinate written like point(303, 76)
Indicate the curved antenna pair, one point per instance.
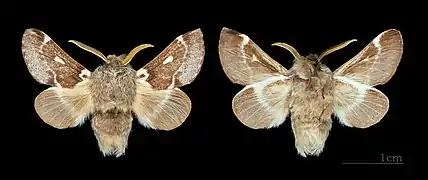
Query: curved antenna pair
point(125, 61)
point(325, 53)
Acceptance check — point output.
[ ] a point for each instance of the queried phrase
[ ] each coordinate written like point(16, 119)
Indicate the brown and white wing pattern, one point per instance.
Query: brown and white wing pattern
point(264, 104)
point(358, 105)
point(243, 61)
point(68, 102)
point(48, 63)
point(160, 109)
point(63, 107)
point(178, 64)
point(356, 102)
point(377, 62)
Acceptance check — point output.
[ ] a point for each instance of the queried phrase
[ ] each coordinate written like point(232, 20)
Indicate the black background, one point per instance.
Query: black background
point(212, 137)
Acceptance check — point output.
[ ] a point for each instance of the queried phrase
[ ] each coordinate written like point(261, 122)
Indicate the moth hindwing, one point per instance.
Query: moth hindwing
point(114, 92)
point(309, 91)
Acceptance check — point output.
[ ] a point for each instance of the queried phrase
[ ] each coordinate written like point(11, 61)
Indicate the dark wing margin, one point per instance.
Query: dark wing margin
point(48, 63)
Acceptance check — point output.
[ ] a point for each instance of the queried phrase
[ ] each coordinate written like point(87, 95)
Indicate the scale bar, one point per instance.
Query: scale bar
point(373, 163)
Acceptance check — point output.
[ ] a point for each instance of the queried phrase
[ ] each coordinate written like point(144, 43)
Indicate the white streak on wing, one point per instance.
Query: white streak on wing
point(258, 87)
point(168, 60)
point(254, 59)
point(85, 72)
point(143, 72)
point(279, 114)
point(180, 39)
point(54, 78)
point(31, 31)
point(245, 39)
point(188, 66)
point(378, 45)
point(58, 59)
point(266, 82)
point(376, 42)
point(362, 88)
point(172, 82)
point(46, 39)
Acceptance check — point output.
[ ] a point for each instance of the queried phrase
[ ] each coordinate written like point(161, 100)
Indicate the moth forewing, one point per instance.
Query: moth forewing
point(243, 61)
point(377, 62)
point(178, 64)
point(48, 63)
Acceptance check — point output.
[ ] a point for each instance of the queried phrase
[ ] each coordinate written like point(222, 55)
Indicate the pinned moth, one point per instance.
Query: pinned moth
point(309, 91)
point(114, 92)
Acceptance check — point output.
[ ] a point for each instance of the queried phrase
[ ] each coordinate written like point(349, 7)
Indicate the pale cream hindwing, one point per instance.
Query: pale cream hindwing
point(160, 109)
point(243, 61)
point(48, 63)
point(264, 104)
point(178, 64)
point(358, 105)
point(356, 102)
point(63, 107)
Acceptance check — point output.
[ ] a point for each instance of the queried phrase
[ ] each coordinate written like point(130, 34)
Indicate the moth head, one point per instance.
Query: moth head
point(122, 59)
point(312, 58)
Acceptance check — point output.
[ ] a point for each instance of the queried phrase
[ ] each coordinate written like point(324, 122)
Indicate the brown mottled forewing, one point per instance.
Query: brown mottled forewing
point(264, 104)
point(48, 63)
point(377, 62)
point(160, 109)
point(356, 102)
point(243, 61)
point(183, 58)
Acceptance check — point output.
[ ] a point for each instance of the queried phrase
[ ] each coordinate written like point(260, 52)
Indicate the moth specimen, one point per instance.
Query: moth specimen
point(114, 92)
point(309, 91)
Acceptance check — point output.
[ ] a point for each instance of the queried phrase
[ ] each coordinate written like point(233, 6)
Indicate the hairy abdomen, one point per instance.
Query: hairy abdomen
point(311, 111)
point(112, 129)
point(113, 92)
